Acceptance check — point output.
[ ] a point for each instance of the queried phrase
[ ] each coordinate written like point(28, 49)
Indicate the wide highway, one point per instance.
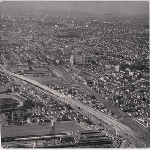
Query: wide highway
point(108, 119)
point(121, 128)
point(141, 132)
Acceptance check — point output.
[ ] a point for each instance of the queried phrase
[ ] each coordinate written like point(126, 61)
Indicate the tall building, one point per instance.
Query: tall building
point(117, 68)
point(80, 59)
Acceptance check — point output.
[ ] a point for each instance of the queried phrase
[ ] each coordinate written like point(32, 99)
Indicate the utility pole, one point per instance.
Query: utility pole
point(34, 144)
point(71, 92)
point(53, 128)
point(147, 123)
point(116, 134)
point(12, 117)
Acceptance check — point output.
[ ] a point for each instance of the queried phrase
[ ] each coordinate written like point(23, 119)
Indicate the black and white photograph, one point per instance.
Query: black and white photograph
point(74, 74)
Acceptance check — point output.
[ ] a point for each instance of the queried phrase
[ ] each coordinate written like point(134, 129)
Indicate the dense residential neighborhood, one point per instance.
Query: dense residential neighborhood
point(91, 71)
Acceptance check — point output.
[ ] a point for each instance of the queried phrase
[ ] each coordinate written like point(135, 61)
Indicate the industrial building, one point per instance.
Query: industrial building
point(80, 59)
point(8, 104)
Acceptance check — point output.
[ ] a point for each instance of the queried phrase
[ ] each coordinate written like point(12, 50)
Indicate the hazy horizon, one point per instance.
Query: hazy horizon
point(130, 8)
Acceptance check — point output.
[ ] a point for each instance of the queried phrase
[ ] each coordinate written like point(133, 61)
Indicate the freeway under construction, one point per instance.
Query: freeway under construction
point(121, 128)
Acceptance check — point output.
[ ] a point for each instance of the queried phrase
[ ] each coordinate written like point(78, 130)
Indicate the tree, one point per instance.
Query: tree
point(25, 116)
point(9, 117)
point(28, 104)
point(61, 62)
point(93, 97)
point(93, 62)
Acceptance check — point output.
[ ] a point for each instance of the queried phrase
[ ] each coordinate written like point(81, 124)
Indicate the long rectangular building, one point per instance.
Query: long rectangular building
point(80, 59)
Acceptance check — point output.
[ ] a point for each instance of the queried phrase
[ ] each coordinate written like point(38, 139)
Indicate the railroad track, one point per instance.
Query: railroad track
point(117, 145)
point(139, 130)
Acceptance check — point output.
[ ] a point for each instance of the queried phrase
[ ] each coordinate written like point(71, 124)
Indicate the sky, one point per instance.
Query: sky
point(97, 7)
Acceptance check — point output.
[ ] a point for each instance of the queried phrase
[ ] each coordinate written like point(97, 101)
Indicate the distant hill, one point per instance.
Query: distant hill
point(108, 15)
point(144, 16)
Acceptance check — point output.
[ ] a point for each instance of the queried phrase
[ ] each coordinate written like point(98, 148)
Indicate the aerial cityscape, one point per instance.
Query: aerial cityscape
point(73, 76)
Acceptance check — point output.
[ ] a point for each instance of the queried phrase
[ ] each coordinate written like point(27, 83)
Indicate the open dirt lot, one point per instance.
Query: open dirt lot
point(36, 129)
point(48, 80)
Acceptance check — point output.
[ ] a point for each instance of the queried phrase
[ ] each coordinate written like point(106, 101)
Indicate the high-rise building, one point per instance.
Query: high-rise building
point(80, 59)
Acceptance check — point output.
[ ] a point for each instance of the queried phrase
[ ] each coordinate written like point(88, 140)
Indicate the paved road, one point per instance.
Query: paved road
point(107, 104)
point(34, 83)
point(107, 119)
point(111, 121)
point(128, 121)
point(140, 130)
